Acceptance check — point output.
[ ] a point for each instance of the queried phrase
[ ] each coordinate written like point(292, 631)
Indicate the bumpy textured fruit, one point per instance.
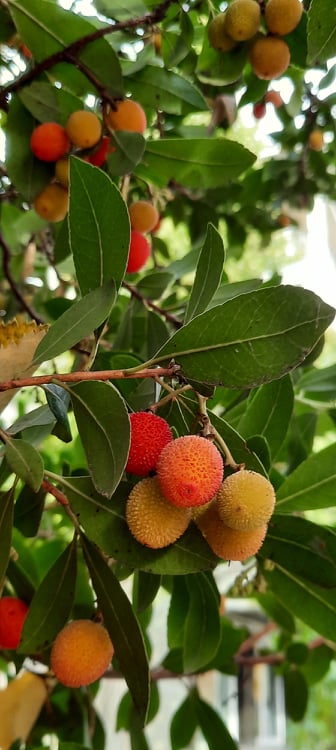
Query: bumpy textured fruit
point(13, 612)
point(283, 16)
point(49, 141)
point(316, 140)
point(190, 470)
point(62, 171)
point(128, 115)
point(245, 500)
point(242, 19)
point(227, 543)
point(151, 518)
point(143, 216)
point(218, 37)
point(83, 128)
point(52, 202)
point(149, 434)
point(139, 252)
point(81, 653)
point(269, 57)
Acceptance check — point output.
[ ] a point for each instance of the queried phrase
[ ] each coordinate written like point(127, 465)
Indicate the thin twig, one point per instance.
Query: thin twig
point(6, 257)
point(77, 377)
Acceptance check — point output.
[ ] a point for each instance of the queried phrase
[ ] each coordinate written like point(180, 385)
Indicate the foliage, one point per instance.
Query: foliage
point(179, 337)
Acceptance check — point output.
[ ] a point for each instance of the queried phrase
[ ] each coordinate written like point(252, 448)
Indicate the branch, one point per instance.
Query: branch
point(77, 377)
point(71, 52)
point(165, 314)
point(8, 275)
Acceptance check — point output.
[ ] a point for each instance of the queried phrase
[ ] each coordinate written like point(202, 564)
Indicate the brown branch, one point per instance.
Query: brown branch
point(62, 500)
point(71, 52)
point(77, 377)
point(6, 257)
point(148, 303)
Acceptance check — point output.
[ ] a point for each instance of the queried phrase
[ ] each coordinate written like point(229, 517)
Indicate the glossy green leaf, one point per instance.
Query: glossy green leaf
point(183, 725)
point(129, 149)
point(317, 664)
point(309, 602)
point(296, 694)
point(28, 510)
point(51, 604)
point(213, 728)
point(28, 174)
point(321, 31)
point(48, 103)
point(202, 627)
point(249, 340)
point(195, 161)
point(145, 589)
point(239, 449)
point(47, 28)
point(177, 613)
point(121, 9)
point(231, 638)
point(276, 611)
point(25, 461)
point(122, 625)
point(104, 522)
point(319, 383)
point(80, 320)
point(6, 523)
point(307, 549)
point(104, 428)
point(162, 89)
point(268, 413)
point(311, 485)
point(99, 231)
point(208, 273)
point(59, 400)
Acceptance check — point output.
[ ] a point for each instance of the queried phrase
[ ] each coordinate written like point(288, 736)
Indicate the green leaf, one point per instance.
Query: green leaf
point(213, 728)
point(240, 450)
point(104, 523)
point(208, 273)
point(252, 339)
point(104, 428)
point(25, 461)
point(311, 485)
point(307, 549)
point(6, 523)
point(99, 230)
point(177, 613)
point(145, 588)
point(317, 664)
point(47, 28)
point(310, 603)
point(194, 161)
point(80, 320)
point(28, 174)
point(58, 400)
point(321, 31)
point(183, 725)
point(162, 89)
point(202, 627)
point(129, 151)
point(28, 511)
point(296, 694)
point(220, 69)
point(268, 413)
point(121, 9)
point(51, 604)
point(49, 103)
point(276, 611)
point(123, 627)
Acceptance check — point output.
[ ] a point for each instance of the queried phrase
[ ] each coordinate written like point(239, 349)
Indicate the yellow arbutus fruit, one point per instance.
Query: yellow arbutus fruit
point(269, 57)
point(218, 37)
point(283, 16)
point(151, 518)
point(81, 653)
point(242, 19)
point(20, 704)
point(227, 543)
point(245, 500)
point(52, 202)
point(18, 341)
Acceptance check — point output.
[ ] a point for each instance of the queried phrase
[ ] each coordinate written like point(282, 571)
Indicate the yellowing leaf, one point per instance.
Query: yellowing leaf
point(18, 341)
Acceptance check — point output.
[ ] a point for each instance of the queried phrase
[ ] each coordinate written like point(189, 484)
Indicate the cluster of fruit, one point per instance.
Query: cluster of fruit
point(187, 485)
point(260, 26)
point(84, 136)
point(80, 654)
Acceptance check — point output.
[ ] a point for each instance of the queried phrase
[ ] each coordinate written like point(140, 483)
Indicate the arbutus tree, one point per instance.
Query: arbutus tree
point(125, 194)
